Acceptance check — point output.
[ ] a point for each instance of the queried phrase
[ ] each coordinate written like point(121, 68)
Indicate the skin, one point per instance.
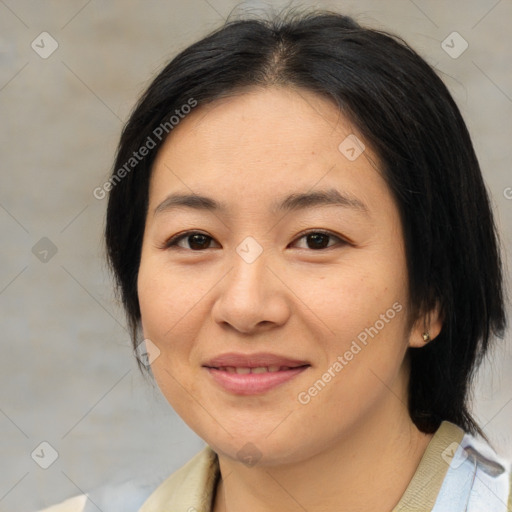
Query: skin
point(353, 446)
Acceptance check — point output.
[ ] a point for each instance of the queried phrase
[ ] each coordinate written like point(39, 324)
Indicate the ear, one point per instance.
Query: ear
point(431, 323)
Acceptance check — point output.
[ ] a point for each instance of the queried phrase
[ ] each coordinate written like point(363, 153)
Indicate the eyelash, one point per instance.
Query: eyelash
point(174, 240)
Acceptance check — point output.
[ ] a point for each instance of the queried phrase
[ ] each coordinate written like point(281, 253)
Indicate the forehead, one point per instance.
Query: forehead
point(279, 119)
point(263, 143)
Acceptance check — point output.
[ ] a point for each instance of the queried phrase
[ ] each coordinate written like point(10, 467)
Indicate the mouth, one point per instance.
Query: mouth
point(253, 374)
point(272, 362)
point(241, 370)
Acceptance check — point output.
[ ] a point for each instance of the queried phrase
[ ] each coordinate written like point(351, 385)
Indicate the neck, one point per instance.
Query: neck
point(368, 469)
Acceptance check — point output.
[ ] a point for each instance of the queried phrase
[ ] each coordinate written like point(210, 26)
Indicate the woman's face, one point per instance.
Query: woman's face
point(299, 271)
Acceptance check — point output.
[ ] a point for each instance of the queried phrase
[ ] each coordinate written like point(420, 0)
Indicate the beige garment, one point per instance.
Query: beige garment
point(192, 487)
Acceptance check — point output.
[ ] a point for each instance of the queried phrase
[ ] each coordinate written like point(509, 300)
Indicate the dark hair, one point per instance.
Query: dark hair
point(405, 112)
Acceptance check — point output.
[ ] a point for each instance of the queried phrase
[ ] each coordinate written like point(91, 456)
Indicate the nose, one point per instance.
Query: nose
point(252, 297)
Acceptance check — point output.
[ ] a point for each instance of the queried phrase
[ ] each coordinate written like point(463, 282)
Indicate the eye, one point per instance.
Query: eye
point(196, 240)
point(318, 240)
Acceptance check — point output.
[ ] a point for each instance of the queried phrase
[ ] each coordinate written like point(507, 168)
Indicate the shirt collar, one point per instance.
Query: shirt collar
point(192, 487)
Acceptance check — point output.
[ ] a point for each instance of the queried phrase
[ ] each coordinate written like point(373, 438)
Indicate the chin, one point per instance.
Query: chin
point(257, 449)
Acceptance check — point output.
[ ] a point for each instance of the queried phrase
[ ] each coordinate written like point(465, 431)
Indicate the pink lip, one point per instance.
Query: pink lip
point(252, 360)
point(253, 383)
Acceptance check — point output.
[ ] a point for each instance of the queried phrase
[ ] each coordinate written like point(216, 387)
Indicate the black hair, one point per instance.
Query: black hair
point(406, 113)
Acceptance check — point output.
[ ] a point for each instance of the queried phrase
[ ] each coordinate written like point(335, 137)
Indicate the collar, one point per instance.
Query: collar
point(191, 488)
point(424, 487)
point(193, 485)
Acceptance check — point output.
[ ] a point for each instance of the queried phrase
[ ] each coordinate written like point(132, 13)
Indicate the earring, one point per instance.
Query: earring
point(426, 337)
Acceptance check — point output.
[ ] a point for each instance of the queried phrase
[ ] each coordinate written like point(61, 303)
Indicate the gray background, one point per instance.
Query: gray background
point(68, 374)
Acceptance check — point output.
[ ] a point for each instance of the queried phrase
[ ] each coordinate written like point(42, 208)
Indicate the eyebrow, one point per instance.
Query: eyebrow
point(293, 202)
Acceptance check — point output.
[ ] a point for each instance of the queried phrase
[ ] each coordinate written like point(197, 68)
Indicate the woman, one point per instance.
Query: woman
point(301, 235)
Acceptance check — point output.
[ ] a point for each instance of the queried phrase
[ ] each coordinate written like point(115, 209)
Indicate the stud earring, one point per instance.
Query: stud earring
point(426, 337)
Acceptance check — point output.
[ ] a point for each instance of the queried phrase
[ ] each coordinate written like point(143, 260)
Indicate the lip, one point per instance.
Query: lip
point(253, 383)
point(253, 360)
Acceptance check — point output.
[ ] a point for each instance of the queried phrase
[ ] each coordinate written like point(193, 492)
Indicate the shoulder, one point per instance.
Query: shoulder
point(127, 496)
point(191, 487)
point(492, 474)
point(75, 504)
point(191, 484)
point(477, 478)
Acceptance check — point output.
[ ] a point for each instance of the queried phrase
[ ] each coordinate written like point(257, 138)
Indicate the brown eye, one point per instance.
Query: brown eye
point(196, 241)
point(318, 240)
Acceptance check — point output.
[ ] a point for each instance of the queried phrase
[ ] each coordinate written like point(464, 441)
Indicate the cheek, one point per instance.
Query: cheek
point(173, 307)
point(363, 304)
point(168, 320)
point(154, 303)
point(165, 298)
point(352, 296)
